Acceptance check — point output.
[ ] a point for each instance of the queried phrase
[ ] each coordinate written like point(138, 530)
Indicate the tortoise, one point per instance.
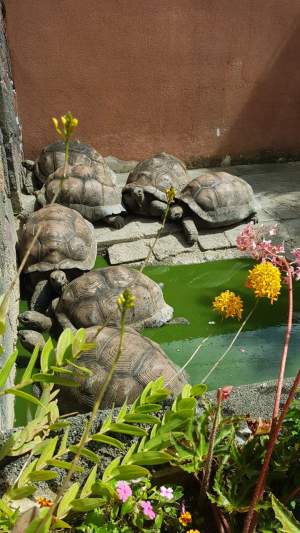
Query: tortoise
point(212, 200)
point(144, 192)
point(91, 300)
point(141, 361)
point(65, 242)
point(53, 156)
point(88, 190)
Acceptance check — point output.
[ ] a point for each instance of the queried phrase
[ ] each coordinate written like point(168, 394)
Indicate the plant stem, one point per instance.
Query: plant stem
point(212, 438)
point(88, 426)
point(152, 246)
point(66, 158)
point(231, 344)
point(286, 343)
point(250, 519)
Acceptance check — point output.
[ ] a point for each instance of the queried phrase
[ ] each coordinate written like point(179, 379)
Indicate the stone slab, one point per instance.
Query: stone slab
point(171, 245)
point(213, 240)
point(128, 252)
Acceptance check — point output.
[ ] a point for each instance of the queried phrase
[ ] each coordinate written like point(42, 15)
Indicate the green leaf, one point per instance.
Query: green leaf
point(24, 395)
point(64, 465)
point(112, 466)
point(106, 439)
point(87, 487)
point(199, 389)
point(64, 440)
point(122, 413)
point(147, 408)
point(127, 506)
point(81, 369)
point(61, 524)
point(151, 458)
point(42, 475)
point(57, 380)
point(21, 492)
point(66, 501)
point(285, 517)
point(60, 370)
point(47, 452)
point(36, 524)
point(142, 419)
point(6, 369)
point(127, 429)
point(27, 374)
point(129, 472)
point(100, 488)
point(4, 302)
point(85, 452)
point(47, 351)
point(83, 505)
point(59, 425)
point(64, 342)
point(78, 341)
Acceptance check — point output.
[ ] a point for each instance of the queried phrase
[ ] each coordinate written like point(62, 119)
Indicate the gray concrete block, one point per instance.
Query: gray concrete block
point(171, 245)
point(213, 240)
point(106, 236)
point(128, 252)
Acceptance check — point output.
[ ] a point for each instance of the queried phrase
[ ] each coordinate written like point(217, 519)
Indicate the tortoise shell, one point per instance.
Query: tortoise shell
point(91, 299)
point(141, 361)
point(65, 240)
point(53, 156)
point(85, 185)
point(157, 174)
point(219, 199)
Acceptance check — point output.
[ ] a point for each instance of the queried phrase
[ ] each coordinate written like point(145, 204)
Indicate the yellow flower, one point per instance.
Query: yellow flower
point(170, 194)
point(228, 304)
point(185, 518)
point(193, 531)
point(126, 300)
point(44, 502)
point(69, 124)
point(265, 280)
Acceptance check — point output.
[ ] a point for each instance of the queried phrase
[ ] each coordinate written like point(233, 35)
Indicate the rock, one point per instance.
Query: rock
point(128, 252)
point(213, 240)
point(120, 166)
point(171, 245)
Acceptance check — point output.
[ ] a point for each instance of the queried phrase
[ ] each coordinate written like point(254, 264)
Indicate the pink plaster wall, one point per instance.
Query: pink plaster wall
point(192, 77)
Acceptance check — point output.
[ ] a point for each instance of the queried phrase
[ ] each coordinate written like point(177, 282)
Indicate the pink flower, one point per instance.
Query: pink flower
point(147, 509)
point(166, 492)
point(224, 393)
point(123, 490)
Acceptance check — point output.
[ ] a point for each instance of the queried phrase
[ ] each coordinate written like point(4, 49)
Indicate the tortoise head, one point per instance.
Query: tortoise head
point(35, 320)
point(58, 280)
point(138, 195)
point(176, 212)
point(30, 339)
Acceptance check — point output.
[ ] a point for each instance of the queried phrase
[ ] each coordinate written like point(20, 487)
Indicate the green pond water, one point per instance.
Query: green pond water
point(190, 289)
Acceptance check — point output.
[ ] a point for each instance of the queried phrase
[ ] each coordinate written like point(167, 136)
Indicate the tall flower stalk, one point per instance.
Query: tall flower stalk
point(170, 195)
point(125, 302)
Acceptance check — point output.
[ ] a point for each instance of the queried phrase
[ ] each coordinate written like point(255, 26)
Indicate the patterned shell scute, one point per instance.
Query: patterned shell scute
point(219, 198)
point(91, 299)
point(53, 156)
point(65, 240)
point(141, 361)
point(157, 174)
point(87, 186)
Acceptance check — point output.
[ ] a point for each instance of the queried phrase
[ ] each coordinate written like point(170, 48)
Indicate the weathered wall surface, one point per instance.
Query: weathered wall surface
point(198, 78)
point(11, 175)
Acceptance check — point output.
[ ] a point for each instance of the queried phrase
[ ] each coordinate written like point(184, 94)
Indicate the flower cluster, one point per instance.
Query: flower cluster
point(170, 194)
point(126, 300)
point(265, 280)
point(228, 304)
point(123, 490)
point(185, 518)
point(253, 240)
point(69, 123)
point(44, 502)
